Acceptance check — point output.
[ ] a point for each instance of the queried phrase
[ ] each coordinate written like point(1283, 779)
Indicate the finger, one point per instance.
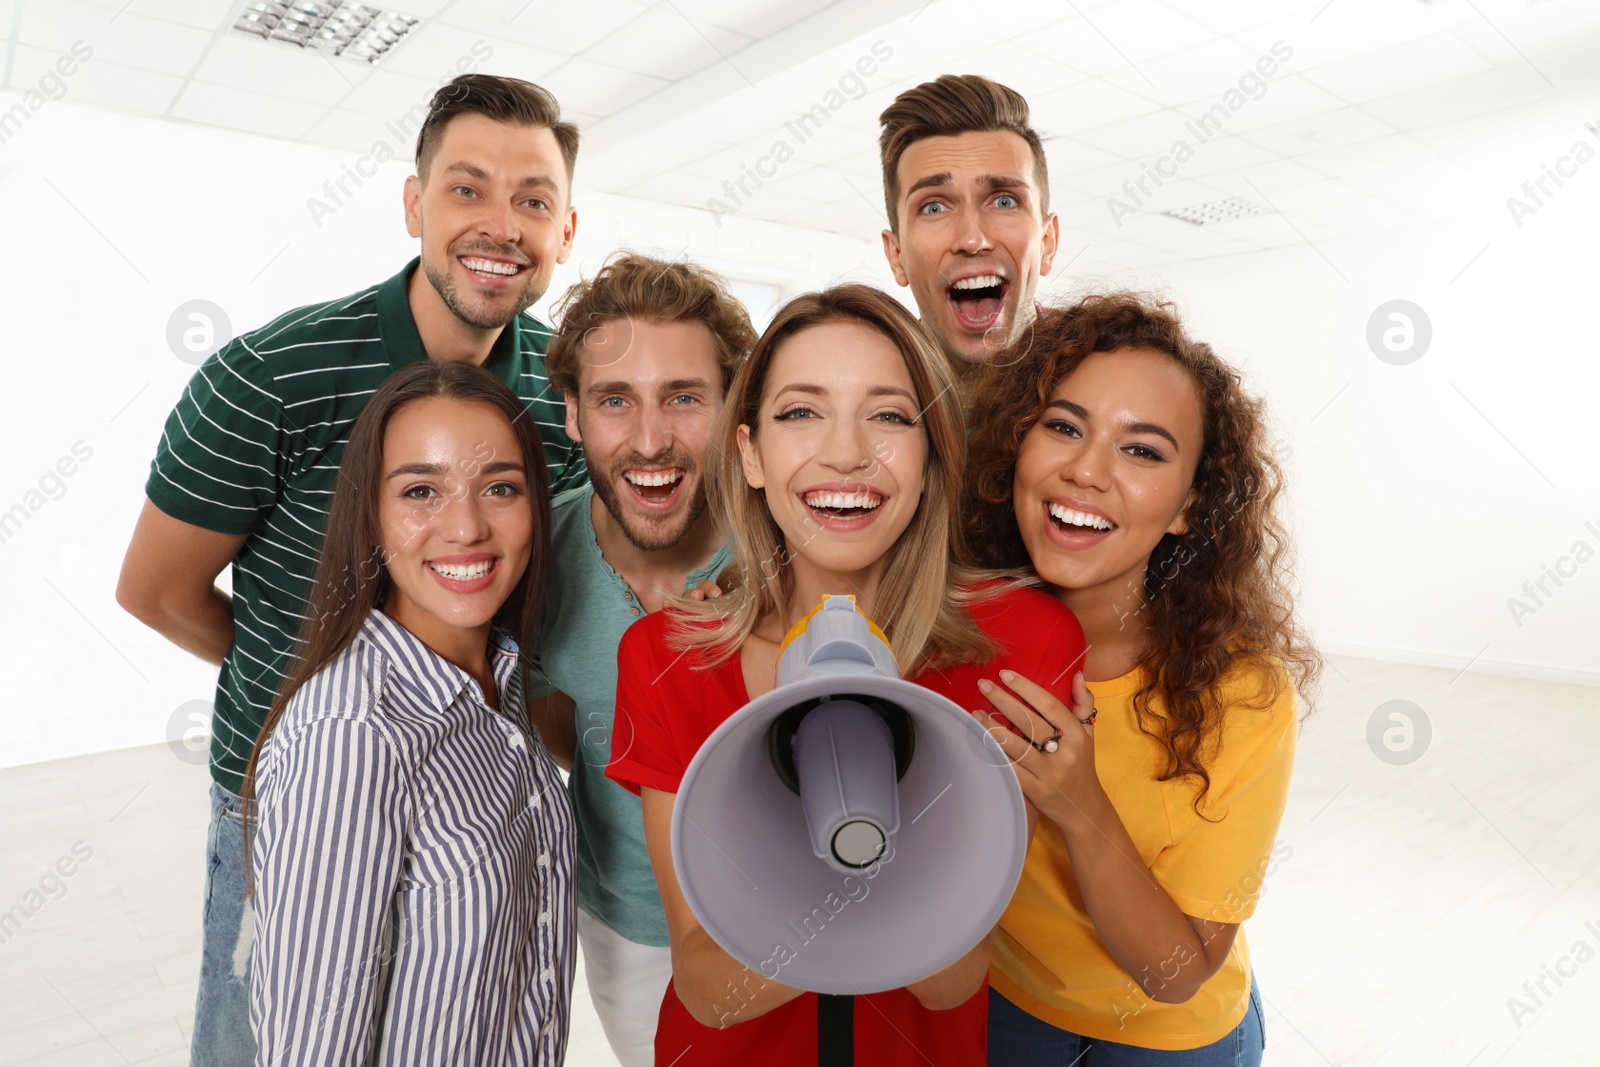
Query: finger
point(1014, 747)
point(1034, 723)
point(1082, 700)
point(1035, 694)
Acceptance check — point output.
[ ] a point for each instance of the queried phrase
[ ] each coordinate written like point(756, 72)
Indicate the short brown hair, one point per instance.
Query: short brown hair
point(944, 107)
point(502, 99)
point(634, 286)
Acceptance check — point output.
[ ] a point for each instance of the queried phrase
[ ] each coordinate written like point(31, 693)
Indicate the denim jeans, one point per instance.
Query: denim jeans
point(1017, 1039)
point(222, 1036)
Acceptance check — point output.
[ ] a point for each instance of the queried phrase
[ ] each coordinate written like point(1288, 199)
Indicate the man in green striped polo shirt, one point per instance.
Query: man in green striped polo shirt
point(247, 462)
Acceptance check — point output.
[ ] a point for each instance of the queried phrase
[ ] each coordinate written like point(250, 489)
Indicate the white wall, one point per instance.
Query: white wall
point(1417, 515)
point(1426, 494)
point(110, 223)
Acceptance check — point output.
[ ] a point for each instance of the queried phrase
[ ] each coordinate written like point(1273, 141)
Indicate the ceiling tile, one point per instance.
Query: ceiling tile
point(597, 89)
point(1311, 133)
point(248, 62)
point(558, 26)
point(1480, 94)
point(438, 52)
point(1088, 105)
point(1074, 44)
point(201, 14)
point(1067, 155)
point(1399, 70)
point(97, 83)
point(754, 18)
point(389, 94)
point(220, 105)
point(665, 44)
point(129, 40)
point(1141, 30)
point(1279, 99)
point(353, 131)
point(1203, 72)
point(1138, 138)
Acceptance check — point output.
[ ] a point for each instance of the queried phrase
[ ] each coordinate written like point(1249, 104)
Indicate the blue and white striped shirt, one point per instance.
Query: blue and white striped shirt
point(414, 869)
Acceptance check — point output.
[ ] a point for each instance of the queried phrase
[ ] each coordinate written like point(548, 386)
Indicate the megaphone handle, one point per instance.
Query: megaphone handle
point(836, 1030)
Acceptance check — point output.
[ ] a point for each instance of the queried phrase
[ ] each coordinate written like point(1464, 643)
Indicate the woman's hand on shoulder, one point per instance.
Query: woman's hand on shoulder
point(1051, 746)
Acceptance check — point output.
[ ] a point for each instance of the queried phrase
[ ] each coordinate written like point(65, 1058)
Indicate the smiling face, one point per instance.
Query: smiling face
point(648, 393)
point(973, 241)
point(494, 217)
point(1106, 471)
point(838, 451)
point(456, 519)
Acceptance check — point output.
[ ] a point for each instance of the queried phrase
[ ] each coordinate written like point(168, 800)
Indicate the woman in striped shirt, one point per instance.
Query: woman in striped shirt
point(413, 851)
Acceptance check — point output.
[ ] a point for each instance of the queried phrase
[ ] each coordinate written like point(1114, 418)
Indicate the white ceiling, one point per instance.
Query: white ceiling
point(1388, 113)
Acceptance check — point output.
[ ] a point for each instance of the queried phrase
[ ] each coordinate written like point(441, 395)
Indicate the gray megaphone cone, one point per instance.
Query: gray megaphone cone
point(841, 834)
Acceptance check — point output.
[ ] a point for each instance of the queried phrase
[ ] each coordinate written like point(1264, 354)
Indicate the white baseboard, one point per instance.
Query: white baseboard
point(1506, 668)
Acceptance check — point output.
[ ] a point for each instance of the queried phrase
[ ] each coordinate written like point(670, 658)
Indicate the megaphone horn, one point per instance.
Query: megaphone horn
point(837, 834)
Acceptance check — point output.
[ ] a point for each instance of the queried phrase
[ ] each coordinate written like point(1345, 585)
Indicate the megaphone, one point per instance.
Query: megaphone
point(849, 832)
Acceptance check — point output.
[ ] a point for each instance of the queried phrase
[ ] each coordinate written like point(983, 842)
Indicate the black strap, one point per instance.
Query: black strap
point(836, 1030)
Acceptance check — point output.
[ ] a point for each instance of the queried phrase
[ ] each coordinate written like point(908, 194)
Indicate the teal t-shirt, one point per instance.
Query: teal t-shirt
point(583, 612)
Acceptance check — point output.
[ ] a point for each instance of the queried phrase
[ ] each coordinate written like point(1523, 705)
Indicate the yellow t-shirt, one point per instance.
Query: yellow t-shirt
point(1048, 958)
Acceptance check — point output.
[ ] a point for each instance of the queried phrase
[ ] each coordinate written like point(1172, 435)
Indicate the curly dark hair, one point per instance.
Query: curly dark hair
point(1218, 599)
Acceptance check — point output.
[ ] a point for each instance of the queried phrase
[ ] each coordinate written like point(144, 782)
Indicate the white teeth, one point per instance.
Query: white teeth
point(982, 281)
point(489, 266)
point(653, 477)
point(822, 499)
point(1079, 518)
point(459, 573)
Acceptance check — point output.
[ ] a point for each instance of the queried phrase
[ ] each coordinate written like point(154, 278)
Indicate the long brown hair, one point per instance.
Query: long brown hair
point(922, 600)
point(351, 581)
point(1218, 599)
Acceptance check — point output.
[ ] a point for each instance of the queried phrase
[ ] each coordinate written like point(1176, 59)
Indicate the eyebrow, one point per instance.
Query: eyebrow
point(992, 182)
point(536, 181)
point(676, 385)
point(437, 469)
point(817, 390)
point(1132, 427)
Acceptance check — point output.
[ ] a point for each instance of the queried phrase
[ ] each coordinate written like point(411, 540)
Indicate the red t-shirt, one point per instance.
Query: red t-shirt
point(656, 736)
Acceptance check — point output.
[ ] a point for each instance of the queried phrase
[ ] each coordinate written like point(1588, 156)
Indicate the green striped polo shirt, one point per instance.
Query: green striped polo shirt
point(253, 448)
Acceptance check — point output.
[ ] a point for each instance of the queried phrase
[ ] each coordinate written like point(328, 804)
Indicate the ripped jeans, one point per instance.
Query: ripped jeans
point(222, 1036)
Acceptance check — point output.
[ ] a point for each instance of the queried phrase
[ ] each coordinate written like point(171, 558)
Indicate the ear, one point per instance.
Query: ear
point(568, 232)
point(891, 252)
point(412, 196)
point(572, 417)
point(750, 459)
point(1049, 243)
point(1180, 522)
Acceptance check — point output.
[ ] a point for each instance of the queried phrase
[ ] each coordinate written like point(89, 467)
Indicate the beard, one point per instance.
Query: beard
point(655, 535)
point(484, 319)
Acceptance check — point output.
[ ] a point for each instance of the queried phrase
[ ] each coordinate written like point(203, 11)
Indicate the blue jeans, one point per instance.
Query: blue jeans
point(222, 1036)
point(1017, 1039)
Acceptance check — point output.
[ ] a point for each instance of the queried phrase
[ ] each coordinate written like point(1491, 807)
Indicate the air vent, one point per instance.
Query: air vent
point(1214, 211)
point(350, 31)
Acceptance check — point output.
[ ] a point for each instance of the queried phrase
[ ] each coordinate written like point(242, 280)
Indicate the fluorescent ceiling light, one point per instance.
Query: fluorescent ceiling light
point(352, 31)
point(1214, 211)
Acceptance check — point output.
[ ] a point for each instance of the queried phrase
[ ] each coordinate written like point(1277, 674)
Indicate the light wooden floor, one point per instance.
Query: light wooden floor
point(1410, 904)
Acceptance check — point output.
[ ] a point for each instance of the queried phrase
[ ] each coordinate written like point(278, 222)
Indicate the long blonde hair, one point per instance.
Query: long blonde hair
point(922, 600)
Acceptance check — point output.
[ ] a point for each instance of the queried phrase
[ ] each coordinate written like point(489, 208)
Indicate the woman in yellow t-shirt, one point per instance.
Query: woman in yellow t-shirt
point(1126, 464)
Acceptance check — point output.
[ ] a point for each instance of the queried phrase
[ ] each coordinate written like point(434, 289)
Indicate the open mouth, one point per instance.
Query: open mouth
point(490, 271)
point(465, 577)
point(655, 487)
point(835, 505)
point(1071, 521)
point(978, 300)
